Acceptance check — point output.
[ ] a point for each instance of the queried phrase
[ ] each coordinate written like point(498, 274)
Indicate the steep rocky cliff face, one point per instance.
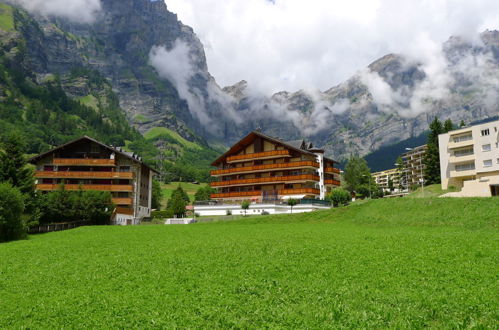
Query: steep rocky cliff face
point(118, 44)
point(392, 100)
point(157, 67)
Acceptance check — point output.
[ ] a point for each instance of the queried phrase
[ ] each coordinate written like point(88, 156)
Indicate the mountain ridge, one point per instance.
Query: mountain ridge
point(157, 67)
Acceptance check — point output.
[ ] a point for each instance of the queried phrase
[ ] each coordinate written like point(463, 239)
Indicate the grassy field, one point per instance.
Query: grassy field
point(399, 263)
point(434, 190)
point(189, 188)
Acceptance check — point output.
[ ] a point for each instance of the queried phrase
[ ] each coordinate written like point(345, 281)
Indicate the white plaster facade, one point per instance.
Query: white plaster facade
point(469, 160)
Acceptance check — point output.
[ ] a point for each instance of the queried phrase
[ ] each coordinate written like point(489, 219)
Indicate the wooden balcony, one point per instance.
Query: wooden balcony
point(237, 194)
point(265, 168)
point(332, 170)
point(72, 187)
point(84, 175)
point(295, 191)
point(122, 201)
point(274, 179)
point(84, 161)
point(332, 182)
point(300, 191)
point(259, 155)
point(124, 210)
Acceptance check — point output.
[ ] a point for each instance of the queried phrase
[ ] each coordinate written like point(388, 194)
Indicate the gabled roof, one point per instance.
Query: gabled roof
point(296, 145)
point(129, 155)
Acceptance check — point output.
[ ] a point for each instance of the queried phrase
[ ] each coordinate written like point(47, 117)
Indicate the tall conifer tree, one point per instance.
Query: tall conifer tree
point(432, 157)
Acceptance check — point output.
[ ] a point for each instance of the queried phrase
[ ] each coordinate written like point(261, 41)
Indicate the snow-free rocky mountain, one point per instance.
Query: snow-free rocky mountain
point(132, 43)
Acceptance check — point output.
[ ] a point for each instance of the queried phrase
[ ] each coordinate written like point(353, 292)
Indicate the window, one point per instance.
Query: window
point(485, 132)
point(497, 160)
point(487, 163)
point(463, 152)
point(486, 147)
point(462, 138)
point(465, 167)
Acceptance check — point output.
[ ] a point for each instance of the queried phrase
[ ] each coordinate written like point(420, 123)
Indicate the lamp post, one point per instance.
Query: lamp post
point(421, 168)
point(406, 177)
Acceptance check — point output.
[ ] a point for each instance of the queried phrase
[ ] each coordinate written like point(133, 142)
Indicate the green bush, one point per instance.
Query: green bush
point(339, 196)
point(162, 214)
point(11, 209)
point(70, 206)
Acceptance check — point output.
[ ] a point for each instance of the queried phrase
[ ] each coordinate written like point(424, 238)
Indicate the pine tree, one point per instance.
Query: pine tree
point(13, 164)
point(177, 202)
point(432, 157)
point(462, 124)
point(448, 126)
point(358, 176)
point(156, 195)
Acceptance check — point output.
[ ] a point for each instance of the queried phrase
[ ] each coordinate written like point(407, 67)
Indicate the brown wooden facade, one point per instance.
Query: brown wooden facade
point(88, 164)
point(263, 168)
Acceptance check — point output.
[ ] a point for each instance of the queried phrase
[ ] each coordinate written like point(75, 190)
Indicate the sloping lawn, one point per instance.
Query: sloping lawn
point(375, 264)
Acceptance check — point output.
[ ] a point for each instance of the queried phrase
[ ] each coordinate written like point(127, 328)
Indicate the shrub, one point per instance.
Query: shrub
point(228, 212)
point(11, 209)
point(162, 214)
point(265, 213)
point(245, 206)
point(339, 196)
point(70, 206)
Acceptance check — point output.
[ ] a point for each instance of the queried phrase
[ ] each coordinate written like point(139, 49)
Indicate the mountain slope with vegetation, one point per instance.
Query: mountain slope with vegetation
point(54, 107)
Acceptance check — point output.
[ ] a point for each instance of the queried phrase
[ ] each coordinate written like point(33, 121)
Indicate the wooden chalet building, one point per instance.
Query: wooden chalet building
point(92, 165)
point(264, 169)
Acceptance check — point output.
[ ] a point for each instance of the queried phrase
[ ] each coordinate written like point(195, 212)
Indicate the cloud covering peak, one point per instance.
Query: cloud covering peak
point(80, 11)
point(295, 44)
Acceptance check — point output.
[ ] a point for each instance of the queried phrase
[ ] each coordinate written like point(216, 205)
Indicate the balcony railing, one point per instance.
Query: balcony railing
point(290, 178)
point(84, 175)
point(259, 168)
point(259, 155)
point(110, 187)
point(124, 210)
point(84, 161)
point(237, 194)
point(297, 191)
point(253, 193)
point(332, 170)
point(122, 201)
point(332, 182)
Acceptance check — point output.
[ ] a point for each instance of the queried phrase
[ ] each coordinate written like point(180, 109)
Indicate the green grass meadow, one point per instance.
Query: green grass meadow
point(397, 263)
point(189, 188)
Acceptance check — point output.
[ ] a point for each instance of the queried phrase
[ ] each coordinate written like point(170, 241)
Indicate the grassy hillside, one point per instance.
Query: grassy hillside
point(184, 160)
point(399, 263)
point(189, 188)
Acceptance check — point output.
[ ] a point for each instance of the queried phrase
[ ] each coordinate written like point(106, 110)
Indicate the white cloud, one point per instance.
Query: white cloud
point(296, 44)
point(176, 65)
point(81, 11)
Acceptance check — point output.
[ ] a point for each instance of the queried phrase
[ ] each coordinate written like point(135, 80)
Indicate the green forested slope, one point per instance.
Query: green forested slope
point(51, 109)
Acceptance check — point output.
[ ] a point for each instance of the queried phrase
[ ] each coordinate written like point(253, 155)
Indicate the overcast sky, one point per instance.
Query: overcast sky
point(294, 44)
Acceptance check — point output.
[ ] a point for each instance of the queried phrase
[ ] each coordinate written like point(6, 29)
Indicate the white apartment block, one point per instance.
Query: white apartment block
point(382, 179)
point(414, 166)
point(469, 160)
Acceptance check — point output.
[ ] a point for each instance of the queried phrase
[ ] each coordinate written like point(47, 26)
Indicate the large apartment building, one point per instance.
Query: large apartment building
point(383, 178)
point(414, 166)
point(91, 165)
point(469, 160)
point(262, 168)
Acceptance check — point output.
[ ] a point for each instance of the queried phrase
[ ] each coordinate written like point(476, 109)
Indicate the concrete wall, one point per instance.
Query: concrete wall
point(255, 209)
